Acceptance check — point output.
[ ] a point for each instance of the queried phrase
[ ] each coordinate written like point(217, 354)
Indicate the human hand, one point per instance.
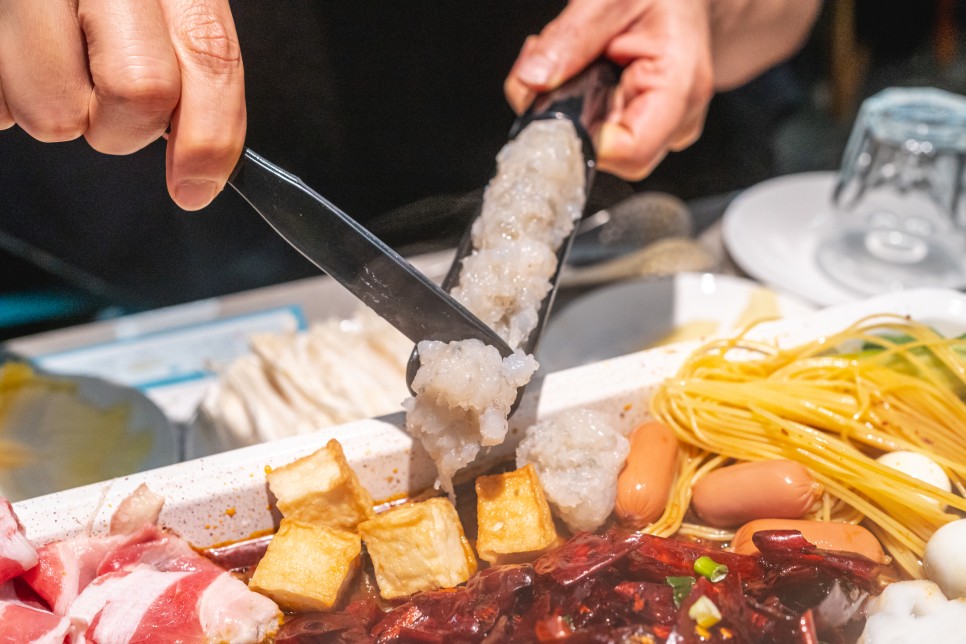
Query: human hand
point(120, 72)
point(664, 89)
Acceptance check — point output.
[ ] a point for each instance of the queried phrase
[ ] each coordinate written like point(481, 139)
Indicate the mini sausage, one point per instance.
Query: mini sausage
point(778, 489)
point(827, 535)
point(645, 482)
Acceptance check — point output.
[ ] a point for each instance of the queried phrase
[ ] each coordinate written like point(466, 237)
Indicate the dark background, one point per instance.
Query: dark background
point(394, 111)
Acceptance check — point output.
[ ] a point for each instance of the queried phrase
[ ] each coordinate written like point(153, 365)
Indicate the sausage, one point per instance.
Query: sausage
point(645, 482)
point(778, 489)
point(828, 535)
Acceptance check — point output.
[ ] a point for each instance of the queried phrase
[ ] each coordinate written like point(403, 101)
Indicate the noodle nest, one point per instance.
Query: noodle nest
point(835, 404)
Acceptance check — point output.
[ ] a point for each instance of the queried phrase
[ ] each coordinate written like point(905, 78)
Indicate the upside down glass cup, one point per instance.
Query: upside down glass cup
point(898, 219)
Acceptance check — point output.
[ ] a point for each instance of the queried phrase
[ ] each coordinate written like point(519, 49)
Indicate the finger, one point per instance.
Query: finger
point(663, 93)
point(6, 118)
point(689, 131)
point(649, 107)
point(566, 45)
point(619, 153)
point(136, 77)
point(654, 121)
point(518, 94)
point(43, 68)
point(208, 126)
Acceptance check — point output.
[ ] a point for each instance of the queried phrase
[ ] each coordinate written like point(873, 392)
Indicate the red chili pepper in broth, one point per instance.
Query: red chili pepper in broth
point(790, 558)
point(463, 614)
point(657, 558)
point(652, 603)
point(742, 618)
point(585, 554)
point(602, 588)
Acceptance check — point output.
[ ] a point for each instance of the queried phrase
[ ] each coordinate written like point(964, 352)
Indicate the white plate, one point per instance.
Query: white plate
point(646, 312)
point(771, 232)
point(225, 498)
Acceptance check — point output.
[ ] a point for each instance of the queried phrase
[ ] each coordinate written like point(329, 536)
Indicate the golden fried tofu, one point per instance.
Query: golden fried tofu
point(514, 520)
point(322, 489)
point(307, 566)
point(419, 546)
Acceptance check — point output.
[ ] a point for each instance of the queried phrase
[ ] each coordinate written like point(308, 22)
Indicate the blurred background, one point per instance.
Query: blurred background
point(395, 112)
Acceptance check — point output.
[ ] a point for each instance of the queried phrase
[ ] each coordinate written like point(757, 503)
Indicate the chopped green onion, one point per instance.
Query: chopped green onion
point(711, 569)
point(704, 612)
point(681, 586)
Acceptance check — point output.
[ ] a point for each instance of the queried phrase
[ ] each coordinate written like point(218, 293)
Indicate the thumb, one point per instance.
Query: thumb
point(570, 42)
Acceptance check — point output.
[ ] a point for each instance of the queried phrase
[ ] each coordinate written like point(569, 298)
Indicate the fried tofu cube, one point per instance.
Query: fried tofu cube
point(416, 547)
point(322, 489)
point(514, 520)
point(307, 566)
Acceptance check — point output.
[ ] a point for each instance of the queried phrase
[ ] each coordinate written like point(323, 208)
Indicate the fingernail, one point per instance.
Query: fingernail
point(520, 102)
point(536, 69)
point(195, 194)
point(606, 138)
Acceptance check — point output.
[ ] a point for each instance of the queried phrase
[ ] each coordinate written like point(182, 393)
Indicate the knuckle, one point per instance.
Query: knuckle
point(108, 146)
point(703, 79)
point(149, 92)
point(210, 41)
point(203, 148)
point(650, 73)
point(54, 124)
point(703, 89)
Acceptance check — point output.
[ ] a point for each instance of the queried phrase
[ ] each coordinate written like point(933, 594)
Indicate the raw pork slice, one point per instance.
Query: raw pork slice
point(16, 553)
point(28, 624)
point(143, 605)
point(65, 568)
point(156, 548)
point(140, 508)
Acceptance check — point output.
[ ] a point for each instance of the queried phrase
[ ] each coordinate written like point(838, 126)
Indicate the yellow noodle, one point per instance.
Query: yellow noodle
point(692, 464)
point(825, 510)
point(833, 407)
point(705, 532)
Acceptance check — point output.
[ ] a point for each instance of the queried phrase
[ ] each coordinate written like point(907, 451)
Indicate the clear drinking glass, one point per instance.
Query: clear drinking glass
point(898, 216)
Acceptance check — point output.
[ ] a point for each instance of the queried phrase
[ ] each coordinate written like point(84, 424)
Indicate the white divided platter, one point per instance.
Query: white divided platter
point(224, 497)
point(643, 313)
